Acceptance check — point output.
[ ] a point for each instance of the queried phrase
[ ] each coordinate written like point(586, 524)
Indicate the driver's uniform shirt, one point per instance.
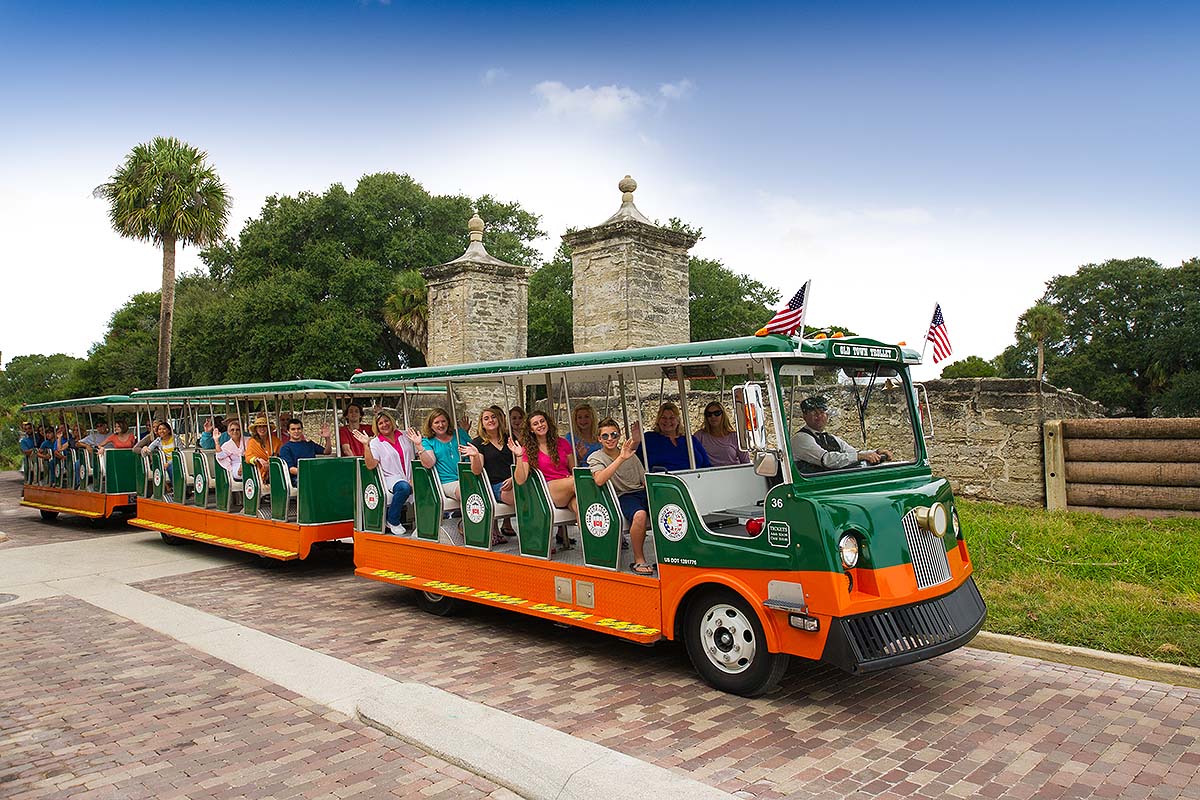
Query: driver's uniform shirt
point(823, 450)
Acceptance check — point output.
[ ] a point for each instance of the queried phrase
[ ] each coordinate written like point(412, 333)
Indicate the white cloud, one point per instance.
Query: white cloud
point(603, 104)
point(493, 75)
point(680, 90)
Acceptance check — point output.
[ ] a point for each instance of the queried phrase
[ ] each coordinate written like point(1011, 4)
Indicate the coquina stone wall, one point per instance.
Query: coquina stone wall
point(988, 434)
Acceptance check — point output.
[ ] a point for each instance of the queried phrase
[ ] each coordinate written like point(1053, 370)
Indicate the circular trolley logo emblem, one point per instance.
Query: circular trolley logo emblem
point(199, 483)
point(158, 477)
point(371, 497)
point(248, 488)
point(475, 508)
point(597, 519)
point(672, 522)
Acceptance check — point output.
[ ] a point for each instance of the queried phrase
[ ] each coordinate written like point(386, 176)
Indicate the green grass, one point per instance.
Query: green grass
point(1126, 586)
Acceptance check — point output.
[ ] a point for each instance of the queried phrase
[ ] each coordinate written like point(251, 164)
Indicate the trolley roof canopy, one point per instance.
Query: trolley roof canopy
point(730, 357)
point(300, 388)
point(83, 404)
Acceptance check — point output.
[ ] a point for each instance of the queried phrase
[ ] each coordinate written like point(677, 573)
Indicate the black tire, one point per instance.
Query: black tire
point(727, 646)
point(49, 516)
point(98, 523)
point(169, 539)
point(437, 604)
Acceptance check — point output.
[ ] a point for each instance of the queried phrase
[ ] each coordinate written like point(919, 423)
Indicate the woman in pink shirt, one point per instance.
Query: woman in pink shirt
point(552, 456)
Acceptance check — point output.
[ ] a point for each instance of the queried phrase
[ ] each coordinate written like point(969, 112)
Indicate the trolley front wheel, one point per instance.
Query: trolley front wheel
point(49, 516)
point(726, 644)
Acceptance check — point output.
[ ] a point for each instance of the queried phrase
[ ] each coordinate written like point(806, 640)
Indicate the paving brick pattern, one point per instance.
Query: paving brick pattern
point(972, 723)
point(94, 706)
point(25, 527)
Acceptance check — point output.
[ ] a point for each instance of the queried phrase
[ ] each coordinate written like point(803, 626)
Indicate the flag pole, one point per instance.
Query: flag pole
point(925, 345)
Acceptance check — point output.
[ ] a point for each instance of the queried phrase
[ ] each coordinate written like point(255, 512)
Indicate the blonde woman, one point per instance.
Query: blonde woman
point(583, 432)
point(489, 451)
point(439, 449)
point(232, 450)
point(666, 445)
point(718, 438)
point(392, 452)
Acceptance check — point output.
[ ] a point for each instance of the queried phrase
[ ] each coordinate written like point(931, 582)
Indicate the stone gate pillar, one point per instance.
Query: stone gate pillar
point(630, 281)
point(478, 306)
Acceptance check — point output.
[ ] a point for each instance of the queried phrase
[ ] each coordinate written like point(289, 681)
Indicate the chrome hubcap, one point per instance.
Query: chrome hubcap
point(728, 639)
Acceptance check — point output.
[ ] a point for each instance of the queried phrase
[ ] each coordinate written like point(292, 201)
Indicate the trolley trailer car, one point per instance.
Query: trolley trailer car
point(864, 567)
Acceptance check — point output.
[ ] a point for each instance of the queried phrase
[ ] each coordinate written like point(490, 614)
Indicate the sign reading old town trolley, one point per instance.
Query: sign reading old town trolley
point(874, 352)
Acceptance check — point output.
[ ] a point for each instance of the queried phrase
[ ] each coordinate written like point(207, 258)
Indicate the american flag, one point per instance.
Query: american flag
point(937, 334)
point(789, 318)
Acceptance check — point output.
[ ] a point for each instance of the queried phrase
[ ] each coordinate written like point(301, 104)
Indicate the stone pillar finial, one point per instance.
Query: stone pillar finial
point(475, 226)
point(628, 186)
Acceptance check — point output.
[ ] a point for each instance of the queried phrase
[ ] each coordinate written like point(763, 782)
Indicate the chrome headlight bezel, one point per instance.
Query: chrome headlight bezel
point(849, 549)
point(935, 519)
point(957, 527)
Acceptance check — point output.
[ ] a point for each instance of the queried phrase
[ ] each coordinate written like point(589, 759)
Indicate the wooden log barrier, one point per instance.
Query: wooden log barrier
point(1171, 428)
point(1115, 496)
point(1133, 473)
point(1159, 450)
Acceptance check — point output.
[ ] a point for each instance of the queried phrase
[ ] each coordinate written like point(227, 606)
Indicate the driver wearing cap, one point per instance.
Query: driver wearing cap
point(816, 450)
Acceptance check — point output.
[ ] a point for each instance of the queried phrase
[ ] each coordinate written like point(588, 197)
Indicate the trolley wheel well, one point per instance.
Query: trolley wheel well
point(682, 608)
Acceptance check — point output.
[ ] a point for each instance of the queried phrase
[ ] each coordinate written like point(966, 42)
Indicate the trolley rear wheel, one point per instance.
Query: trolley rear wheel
point(437, 604)
point(727, 646)
point(49, 516)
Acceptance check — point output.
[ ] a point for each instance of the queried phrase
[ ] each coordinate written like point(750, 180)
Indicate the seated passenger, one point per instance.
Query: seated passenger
point(144, 441)
point(666, 445)
point(28, 443)
point(439, 449)
point(816, 450)
point(489, 451)
point(45, 452)
point(121, 439)
point(583, 433)
point(718, 438)
point(392, 453)
point(93, 440)
point(516, 420)
point(164, 441)
point(618, 463)
point(262, 445)
point(213, 426)
point(63, 442)
point(297, 447)
point(350, 444)
point(232, 450)
point(552, 456)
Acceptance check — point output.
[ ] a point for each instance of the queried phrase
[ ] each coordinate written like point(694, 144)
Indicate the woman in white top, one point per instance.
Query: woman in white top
point(392, 452)
point(230, 454)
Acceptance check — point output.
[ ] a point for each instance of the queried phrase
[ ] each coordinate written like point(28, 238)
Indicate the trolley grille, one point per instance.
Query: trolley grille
point(928, 554)
point(903, 630)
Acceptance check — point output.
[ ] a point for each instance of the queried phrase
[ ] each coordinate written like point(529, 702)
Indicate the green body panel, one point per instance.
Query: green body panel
point(472, 486)
point(121, 471)
point(280, 484)
point(429, 503)
point(142, 475)
point(600, 515)
point(700, 546)
point(764, 346)
point(95, 482)
point(251, 491)
point(199, 479)
point(326, 490)
point(370, 518)
point(158, 476)
point(28, 468)
point(534, 517)
point(179, 482)
point(224, 489)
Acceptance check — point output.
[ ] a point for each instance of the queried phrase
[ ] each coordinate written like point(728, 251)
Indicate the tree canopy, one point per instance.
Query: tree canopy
point(1127, 336)
point(969, 367)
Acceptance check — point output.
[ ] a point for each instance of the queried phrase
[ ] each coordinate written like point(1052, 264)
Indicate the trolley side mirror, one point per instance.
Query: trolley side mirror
point(766, 464)
point(751, 414)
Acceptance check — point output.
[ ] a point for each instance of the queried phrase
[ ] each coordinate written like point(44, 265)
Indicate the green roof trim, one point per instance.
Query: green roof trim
point(80, 403)
point(771, 346)
point(240, 390)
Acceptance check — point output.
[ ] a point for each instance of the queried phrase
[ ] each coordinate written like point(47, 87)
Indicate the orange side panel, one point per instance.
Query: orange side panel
point(281, 540)
point(73, 501)
point(625, 605)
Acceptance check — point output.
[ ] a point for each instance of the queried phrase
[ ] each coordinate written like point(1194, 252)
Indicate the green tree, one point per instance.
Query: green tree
point(406, 311)
point(39, 379)
point(723, 303)
point(166, 192)
point(551, 313)
point(969, 367)
point(1041, 323)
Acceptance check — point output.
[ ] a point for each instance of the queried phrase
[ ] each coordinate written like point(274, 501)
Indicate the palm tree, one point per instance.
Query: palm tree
point(406, 311)
point(1040, 324)
point(166, 192)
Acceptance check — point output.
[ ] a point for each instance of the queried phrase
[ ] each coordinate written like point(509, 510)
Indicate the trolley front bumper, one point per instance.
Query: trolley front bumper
point(883, 639)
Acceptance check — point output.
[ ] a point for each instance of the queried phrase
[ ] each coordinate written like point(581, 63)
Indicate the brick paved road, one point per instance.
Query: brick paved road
point(25, 527)
point(94, 706)
point(971, 723)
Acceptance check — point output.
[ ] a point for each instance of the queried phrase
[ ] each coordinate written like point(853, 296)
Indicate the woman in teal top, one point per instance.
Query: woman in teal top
point(440, 449)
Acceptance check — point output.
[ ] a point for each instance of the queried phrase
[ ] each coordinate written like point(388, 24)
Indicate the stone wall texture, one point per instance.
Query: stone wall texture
point(630, 286)
point(987, 434)
point(477, 315)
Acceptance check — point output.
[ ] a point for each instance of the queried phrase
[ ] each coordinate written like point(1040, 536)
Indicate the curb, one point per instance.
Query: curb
point(528, 758)
point(1129, 666)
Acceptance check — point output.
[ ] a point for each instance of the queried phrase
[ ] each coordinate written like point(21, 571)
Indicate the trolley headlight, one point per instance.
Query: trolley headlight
point(934, 519)
point(954, 522)
point(848, 545)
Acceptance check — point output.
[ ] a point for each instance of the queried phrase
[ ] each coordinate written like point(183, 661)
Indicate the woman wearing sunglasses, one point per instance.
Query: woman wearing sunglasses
point(718, 438)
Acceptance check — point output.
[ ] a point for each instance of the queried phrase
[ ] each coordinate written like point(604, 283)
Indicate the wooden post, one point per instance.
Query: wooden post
point(1056, 470)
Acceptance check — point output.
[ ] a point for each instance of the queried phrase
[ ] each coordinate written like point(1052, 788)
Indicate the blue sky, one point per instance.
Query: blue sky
point(896, 154)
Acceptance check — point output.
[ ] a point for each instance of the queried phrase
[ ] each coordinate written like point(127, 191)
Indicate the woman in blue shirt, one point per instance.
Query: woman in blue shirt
point(440, 449)
point(666, 445)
